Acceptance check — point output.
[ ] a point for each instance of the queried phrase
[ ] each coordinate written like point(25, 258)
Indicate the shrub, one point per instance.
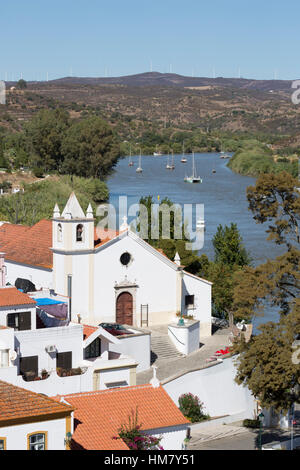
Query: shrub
point(251, 423)
point(192, 408)
point(134, 438)
point(38, 172)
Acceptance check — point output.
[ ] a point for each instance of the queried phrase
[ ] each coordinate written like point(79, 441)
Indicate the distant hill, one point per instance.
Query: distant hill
point(150, 103)
point(150, 79)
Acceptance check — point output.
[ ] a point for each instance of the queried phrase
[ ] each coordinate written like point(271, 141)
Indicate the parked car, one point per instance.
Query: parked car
point(115, 329)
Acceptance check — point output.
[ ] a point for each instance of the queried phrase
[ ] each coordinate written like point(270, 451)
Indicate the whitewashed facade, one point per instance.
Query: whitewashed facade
point(95, 278)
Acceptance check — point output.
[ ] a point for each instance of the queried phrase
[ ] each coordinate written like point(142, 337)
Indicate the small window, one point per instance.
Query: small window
point(93, 350)
point(125, 259)
point(4, 358)
point(2, 443)
point(64, 360)
point(59, 233)
point(122, 383)
point(19, 321)
point(37, 442)
point(79, 233)
point(190, 301)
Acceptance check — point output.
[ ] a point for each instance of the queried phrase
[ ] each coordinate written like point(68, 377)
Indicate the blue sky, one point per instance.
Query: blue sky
point(119, 37)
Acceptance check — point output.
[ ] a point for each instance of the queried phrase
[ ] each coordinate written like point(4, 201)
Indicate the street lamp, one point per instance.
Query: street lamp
point(260, 417)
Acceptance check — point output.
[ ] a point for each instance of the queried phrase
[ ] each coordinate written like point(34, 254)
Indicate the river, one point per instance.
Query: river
point(222, 193)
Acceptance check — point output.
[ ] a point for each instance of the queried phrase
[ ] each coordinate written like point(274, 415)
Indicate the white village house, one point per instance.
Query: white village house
point(117, 279)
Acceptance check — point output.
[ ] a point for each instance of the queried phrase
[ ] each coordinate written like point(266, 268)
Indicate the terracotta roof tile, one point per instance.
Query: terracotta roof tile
point(32, 245)
point(99, 414)
point(88, 330)
point(10, 296)
point(18, 403)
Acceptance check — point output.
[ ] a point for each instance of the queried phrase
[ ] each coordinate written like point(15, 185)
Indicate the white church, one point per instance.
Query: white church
point(117, 279)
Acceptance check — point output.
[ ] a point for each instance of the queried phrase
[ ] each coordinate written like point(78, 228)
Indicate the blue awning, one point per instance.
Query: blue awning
point(46, 301)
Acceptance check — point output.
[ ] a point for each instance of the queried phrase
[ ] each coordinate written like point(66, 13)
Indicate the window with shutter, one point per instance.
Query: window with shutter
point(93, 350)
point(19, 321)
point(189, 301)
point(29, 367)
point(64, 360)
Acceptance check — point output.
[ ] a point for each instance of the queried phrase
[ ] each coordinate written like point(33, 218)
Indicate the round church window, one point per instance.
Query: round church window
point(125, 258)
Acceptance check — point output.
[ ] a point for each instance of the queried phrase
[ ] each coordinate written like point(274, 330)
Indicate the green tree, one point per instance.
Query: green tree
point(90, 149)
point(228, 246)
point(274, 200)
point(21, 84)
point(44, 135)
point(266, 363)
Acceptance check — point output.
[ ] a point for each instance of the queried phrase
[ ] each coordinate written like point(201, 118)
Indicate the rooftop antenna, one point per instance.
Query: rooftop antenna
point(151, 70)
point(214, 72)
point(47, 77)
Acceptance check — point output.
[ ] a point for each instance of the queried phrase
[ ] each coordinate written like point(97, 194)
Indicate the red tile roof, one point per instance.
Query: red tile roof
point(29, 245)
point(11, 296)
point(99, 414)
point(19, 404)
point(32, 245)
point(88, 330)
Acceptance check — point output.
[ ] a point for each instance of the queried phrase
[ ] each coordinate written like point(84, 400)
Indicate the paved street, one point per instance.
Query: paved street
point(235, 437)
point(244, 441)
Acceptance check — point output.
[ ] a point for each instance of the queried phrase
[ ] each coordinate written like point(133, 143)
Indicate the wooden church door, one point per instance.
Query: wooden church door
point(124, 309)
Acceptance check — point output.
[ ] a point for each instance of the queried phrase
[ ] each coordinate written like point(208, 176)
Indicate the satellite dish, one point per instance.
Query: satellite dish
point(13, 355)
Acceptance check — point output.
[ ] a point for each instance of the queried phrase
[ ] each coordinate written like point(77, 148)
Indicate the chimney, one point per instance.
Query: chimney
point(2, 270)
point(154, 381)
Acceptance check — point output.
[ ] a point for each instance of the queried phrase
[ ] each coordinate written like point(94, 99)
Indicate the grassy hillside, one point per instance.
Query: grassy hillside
point(38, 199)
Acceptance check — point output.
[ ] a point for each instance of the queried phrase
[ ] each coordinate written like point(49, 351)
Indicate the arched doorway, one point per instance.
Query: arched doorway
point(124, 309)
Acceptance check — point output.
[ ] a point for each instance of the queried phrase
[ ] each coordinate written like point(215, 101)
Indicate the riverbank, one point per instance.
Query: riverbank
point(254, 158)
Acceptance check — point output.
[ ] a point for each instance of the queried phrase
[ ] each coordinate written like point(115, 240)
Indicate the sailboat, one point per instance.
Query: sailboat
point(157, 153)
point(172, 166)
point(130, 159)
point(139, 168)
point(168, 166)
point(194, 178)
point(183, 158)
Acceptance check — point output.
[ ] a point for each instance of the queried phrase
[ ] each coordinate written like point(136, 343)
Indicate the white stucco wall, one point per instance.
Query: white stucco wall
point(4, 311)
point(65, 338)
point(172, 437)
point(185, 338)
point(95, 274)
point(41, 277)
point(156, 281)
point(16, 436)
point(202, 307)
point(136, 346)
point(216, 388)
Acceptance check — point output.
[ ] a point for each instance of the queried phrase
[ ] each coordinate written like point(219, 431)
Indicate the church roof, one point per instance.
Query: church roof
point(28, 245)
point(32, 245)
point(73, 209)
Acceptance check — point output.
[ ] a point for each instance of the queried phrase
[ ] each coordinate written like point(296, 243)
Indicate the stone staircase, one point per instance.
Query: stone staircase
point(163, 348)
